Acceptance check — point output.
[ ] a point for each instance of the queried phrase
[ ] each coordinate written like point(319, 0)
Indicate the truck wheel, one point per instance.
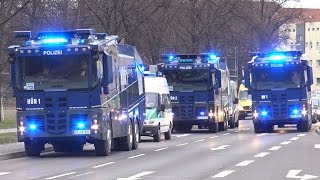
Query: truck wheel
point(269, 128)
point(232, 123)
point(237, 124)
point(221, 126)
point(167, 135)
point(136, 136)
point(157, 135)
point(258, 128)
point(58, 147)
point(213, 127)
point(32, 148)
point(200, 126)
point(127, 141)
point(314, 120)
point(303, 126)
point(103, 147)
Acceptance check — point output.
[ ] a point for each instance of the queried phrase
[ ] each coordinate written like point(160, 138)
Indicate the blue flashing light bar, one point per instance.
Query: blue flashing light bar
point(202, 113)
point(80, 125)
point(54, 40)
point(171, 57)
point(32, 127)
point(264, 113)
point(277, 57)
point(295, 111)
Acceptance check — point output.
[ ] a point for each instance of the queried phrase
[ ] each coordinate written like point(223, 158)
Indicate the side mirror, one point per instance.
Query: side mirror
point(162, 107)
point(217, 79)
point(236, 101)
point(247, 79)
point(11, 60)
point(107, 69)
point(310, 77)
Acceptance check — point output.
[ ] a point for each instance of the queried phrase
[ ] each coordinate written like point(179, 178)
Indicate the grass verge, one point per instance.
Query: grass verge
point(7, 138)
point(9, 120)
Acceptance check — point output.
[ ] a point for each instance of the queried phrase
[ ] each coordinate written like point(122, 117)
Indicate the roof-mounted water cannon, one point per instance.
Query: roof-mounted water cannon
point(24, 35)
point(85, 35)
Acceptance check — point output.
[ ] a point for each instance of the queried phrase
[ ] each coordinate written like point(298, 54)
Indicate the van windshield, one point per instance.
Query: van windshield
point(151, 100)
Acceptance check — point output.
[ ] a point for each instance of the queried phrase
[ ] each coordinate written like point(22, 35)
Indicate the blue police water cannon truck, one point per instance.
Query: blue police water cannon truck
point(280, 84)
point(76, 87)
point(197, 87)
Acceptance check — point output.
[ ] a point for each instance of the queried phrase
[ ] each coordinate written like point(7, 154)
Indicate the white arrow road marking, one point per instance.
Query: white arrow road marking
point(84, 174)
point(132, 157)
point(61, 175)
point(212, 137)
point(161, 149)
point(245, 163)
point(301, 135)
point(263, 154)
point(317, 146)
point(137, 176)
point(220, 147)
point(183, 135)
point(293, 174)
point(294, 138)
point(274, 148)
point(263, 134)
point(102, 165)
point(223, 174)
point(182, 144)
point(4, 173)
point(285, 142)
point(200, 140)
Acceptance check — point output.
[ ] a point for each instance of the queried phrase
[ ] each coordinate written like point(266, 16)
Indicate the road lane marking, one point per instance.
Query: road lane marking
point(263, 134)
point(102, 165)
point(137, 176)
point(294, 138)
point(223, 174)
point(263, 154)
point(245, 163)
point(274, 148)
point(301, 135)
point(61, 175)
point(182, 144)
point(220, 147)
point(161, 149)
point(317, 146)
point(183, 135)
point(226, 134)
point(139, 155)
point(212, 137)
point(293, 174)
point(285, 142)
point(84, 174)
point(200, 140)
point(236, 131)
point(4, 173)
point(245, 129)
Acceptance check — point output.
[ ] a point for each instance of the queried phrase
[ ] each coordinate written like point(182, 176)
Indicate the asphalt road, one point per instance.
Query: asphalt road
point(235, 154)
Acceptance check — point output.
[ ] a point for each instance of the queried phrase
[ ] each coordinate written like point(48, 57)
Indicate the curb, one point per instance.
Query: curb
point(20, 154)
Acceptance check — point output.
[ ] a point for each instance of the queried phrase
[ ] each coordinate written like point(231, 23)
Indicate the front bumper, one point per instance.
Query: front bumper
point(149, 130)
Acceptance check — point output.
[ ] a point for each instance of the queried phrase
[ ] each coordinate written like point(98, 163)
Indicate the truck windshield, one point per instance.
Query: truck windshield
point(54, 72)
point(151, 100)
point(196, 80)
point(244, 95)
point(278, 78)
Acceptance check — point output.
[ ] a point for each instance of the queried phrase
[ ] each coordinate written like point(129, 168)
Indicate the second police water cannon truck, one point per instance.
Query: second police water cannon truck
point(199, 90)
point(75, 87)
point(280, 84)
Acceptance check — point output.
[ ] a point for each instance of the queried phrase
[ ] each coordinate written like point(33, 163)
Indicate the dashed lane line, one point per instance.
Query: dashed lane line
point(263, 154)
point(263, 134)
point(139, 155)
point(200, 140)
point(61, 175)
point(274, 148)
point(4, 173)
point(317, 146)
point(161, 149)
point(245, 163)
point(84, 174)
point(285, 142)
point(301, 135)
point(212, 137)
point(223, 174)
point(102, 165)
point(294, 138)
point(182, 144)
point(236, 131)
point(226, 134)
point(182, 135)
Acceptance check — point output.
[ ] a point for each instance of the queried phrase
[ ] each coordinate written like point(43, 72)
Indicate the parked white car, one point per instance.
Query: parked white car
point(158, 109)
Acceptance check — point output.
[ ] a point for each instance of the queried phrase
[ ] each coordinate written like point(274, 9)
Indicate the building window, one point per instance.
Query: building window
point(310, 62)
point(293, 30)
point(317, 29)
point(310, 46)
point(318, 81)
point(306, 44)
point(289, 30)
point(300, 38)
point(318, 63)
point(312, 29)
point(317, 46)
point(308, 29)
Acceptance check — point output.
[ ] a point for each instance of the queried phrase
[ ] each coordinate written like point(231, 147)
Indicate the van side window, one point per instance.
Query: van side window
point(166, 100)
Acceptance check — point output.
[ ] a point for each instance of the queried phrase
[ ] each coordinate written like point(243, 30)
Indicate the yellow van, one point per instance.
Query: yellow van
point(244, 103)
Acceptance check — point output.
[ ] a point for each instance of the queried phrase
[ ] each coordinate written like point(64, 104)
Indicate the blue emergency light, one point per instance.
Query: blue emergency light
point(80, 125)
point(277, 57)
point(57, 40)
point(32, 127)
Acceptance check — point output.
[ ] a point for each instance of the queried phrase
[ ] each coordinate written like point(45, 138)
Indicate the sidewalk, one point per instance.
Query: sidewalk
point(3, 131)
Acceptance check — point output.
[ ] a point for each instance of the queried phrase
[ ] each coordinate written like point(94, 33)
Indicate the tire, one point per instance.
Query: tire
point(200, 127)
point(221, 126)
point(127, 141)
point(314, 120)
point(136, 136)
point(213, 127)
point(232, 123)
point(32, 148)
point(303, 126)
point(157, 135)
point(183, 128)
point(237, 123)
point(269, 128)
point(167, 135)
point(58, 147)
point(258, 128)
point(103, 147)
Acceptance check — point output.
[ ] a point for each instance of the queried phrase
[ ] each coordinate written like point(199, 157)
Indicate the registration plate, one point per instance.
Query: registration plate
point(81, 132)
point(202, 117)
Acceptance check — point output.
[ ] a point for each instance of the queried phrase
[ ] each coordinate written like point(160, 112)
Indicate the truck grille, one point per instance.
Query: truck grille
point(56, 122)
point(186, 99)
point(55, 102)
point(279, 107)
point(186, 111)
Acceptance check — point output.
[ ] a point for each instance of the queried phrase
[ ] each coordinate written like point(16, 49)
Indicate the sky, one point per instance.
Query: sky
point(304, 3)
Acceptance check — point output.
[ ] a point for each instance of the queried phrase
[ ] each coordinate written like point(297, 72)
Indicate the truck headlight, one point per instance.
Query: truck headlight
point(255, 114)
point(211, 114)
